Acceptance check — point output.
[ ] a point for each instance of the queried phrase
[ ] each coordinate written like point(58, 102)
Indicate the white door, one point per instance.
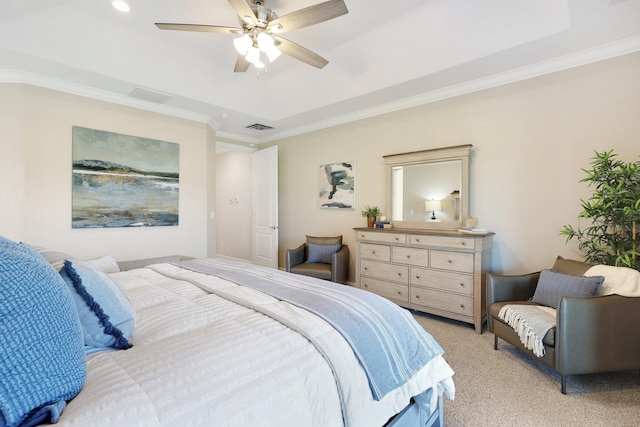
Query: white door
point(264, 173)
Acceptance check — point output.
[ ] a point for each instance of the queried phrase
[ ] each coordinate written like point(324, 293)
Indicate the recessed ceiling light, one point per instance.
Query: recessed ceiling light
point(120, 5)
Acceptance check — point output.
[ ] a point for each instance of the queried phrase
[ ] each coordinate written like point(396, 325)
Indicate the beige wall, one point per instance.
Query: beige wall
point(12, 162)
point(36, 160)
point(530, 140)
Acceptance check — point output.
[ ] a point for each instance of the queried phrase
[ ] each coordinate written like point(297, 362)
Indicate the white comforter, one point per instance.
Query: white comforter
point(202, 359)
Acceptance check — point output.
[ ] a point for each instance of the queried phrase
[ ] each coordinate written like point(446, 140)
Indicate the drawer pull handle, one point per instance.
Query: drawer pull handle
point(409, 256)
point(399, 293)
point(373, 252)
point(399, 274)
point(461, 305)
point(450, 262)
point(462, 284)
point(463, 243)
point(366, 269)
point(366, 286)
point(417, 277)
point(418, 240)
point(397, 239)
point(417, 296)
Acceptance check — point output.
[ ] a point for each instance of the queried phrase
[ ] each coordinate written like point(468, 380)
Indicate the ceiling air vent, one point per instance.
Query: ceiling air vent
point(258, 126)
point(150, 95)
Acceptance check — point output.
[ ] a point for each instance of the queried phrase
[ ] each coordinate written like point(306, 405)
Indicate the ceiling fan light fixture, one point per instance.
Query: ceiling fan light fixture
point(243, 44)
point(264, 41)
point(253, 55)
point(273, 53)
point(263, 14)
point(275, 28)
point(258, 40)
point(248, 20)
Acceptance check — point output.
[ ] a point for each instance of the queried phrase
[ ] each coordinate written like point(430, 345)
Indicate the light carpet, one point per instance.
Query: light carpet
point(509, 388)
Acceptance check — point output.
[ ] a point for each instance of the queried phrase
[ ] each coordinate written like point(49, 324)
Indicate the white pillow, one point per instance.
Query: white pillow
point(107, 264)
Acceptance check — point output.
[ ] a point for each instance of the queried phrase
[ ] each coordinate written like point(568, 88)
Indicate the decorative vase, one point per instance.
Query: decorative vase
point(370, 221)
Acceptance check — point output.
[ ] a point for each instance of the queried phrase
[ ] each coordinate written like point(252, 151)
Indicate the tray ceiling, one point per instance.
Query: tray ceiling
point(383, 56)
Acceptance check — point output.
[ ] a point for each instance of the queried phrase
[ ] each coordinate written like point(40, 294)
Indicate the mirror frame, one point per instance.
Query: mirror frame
point(458, 152)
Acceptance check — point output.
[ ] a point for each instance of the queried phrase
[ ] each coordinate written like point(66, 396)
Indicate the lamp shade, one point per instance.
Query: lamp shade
point(267, 45)
point(253, 55)
point(264, 41)
point(432, 205)
point(273, 53)
point(242, 44)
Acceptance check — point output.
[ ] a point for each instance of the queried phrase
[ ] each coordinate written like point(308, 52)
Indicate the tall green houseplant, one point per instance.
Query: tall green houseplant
point(612, 236)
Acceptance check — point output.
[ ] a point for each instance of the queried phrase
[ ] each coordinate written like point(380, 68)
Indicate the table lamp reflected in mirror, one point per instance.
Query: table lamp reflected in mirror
point(432, 206)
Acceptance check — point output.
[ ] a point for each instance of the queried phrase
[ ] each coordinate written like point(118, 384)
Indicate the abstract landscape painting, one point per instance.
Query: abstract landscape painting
point(337, 183)
point(123, 181)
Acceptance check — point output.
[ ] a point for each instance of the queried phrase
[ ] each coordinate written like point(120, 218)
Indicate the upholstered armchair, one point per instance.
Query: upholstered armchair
point(322, 257)
point(590, 335)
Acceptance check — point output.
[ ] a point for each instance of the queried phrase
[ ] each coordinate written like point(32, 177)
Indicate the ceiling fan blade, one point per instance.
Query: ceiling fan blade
point(244, 11)
point(242, 65)
point(199, 28)
point(309, 16)
point(300, 53)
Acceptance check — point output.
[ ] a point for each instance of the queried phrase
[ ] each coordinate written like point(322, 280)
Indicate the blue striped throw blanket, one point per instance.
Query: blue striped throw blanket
point(389, 344)
point(531, 323)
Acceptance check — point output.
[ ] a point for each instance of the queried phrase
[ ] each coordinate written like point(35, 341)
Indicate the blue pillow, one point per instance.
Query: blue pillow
point(321, 253)
point(42, 362)
point(106, 314)
point(553, 285)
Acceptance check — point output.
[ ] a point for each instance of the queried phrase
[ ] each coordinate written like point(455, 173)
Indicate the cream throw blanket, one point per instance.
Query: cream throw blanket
point(617, 280)
point(531, 323)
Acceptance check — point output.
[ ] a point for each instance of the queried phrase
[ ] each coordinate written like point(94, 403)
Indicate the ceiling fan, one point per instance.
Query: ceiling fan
point(261, 28)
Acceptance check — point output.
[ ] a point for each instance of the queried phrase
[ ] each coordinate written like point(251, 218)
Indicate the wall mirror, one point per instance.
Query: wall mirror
point(429, 189)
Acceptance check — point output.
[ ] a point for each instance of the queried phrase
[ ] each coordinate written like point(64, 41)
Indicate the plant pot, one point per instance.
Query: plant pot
point(370, 221)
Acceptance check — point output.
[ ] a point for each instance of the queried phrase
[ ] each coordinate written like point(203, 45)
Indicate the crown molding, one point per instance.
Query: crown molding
point(584, 57)
point(34, 79)
point(239, 138)
point(227, 146)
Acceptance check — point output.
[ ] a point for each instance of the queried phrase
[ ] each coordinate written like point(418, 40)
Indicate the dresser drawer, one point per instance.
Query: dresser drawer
point(443, 241)
point(379, 270)
point(382, 237)
point(454, 261)
point(451, 282)
point(443, 301)
point(377, 252)
point(386, 289)
point(410, 256)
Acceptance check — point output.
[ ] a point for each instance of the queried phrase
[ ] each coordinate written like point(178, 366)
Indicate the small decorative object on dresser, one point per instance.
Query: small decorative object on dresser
point(438, 272)
point(370, 213)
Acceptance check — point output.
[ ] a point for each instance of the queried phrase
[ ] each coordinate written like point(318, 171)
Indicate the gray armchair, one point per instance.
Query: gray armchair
point(322, 257)
point(595, 334)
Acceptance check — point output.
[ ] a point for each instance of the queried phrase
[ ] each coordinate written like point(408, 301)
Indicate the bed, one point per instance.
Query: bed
point(227, 343)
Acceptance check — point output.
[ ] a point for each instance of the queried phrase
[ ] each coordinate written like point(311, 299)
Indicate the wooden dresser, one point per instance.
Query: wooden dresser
point(438, 272)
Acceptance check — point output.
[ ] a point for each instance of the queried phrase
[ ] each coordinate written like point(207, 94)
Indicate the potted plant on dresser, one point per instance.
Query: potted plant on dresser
point(370, 213)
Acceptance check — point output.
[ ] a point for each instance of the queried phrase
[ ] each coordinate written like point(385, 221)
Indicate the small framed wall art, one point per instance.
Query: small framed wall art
point(337, 185)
